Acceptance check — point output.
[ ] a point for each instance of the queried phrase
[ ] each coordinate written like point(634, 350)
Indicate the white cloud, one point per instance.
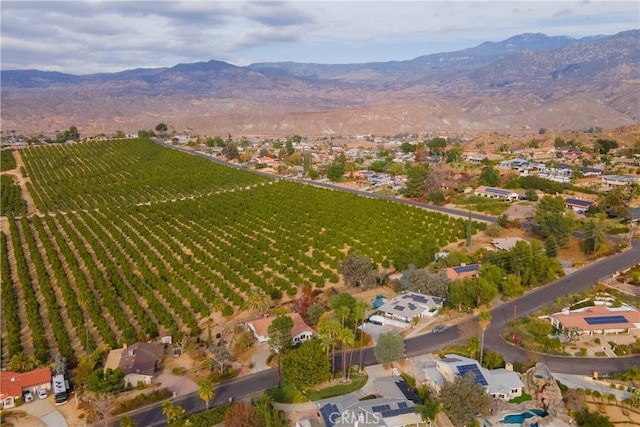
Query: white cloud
point(97, 36)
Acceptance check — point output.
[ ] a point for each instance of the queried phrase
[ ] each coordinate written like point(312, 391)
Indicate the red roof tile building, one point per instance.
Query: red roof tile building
point(14, 384)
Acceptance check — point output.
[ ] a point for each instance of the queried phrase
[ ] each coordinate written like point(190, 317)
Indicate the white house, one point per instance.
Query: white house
point(496, 193)
point(301, 331)
point(402, 309)
point(499, 383)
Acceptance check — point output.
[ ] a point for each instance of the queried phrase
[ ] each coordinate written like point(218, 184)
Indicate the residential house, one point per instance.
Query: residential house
point(499, 383)
point(301, 331)
point(496, 193)
point(577, 205)
point(13, 385)
point(462, 271)
point(598, 319)
point(614, 181)
point(395, 407)
point(506, 243)
point(138, 361)
point(402, 309)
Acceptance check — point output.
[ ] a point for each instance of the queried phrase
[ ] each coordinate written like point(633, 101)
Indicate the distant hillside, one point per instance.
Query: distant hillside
point(527, 81)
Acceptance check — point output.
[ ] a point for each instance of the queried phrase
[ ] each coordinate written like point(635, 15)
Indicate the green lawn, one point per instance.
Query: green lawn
point(357, 382)
point(286, 394)
point(521, 399)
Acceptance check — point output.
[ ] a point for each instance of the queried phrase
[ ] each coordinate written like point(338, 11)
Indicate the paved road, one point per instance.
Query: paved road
point(501, 316)
point(449, 211)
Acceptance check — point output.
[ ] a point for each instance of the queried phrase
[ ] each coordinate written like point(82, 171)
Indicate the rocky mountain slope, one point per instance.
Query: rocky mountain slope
point(528, 81)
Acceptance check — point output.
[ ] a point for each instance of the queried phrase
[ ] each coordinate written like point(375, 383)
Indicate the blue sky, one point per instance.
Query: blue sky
point(106, 36)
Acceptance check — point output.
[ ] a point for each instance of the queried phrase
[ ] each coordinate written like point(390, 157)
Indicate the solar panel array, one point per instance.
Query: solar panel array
point(328, 412)
point(416, 298)
point(465, 268)
point(403, 405)
point(396, 412)
point(399, 307)
point(498, 191)
point(603, 320)
point(381, 408)
point(479, 378)
point(578, 202)
point(407, 391)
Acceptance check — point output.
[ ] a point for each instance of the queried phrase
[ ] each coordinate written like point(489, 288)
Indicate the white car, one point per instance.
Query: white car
point(28, 397)
point(42, 393)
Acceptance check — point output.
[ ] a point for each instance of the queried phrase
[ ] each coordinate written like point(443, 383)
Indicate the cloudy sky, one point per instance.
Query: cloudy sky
point(105, 36)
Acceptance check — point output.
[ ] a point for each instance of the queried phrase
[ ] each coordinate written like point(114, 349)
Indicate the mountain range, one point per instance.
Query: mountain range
point(528, 81)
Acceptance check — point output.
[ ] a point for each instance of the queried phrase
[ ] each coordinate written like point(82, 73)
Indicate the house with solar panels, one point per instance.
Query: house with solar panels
point(598, 319)
point(394, 407)
point(462, 271)
point(577, 205)
point(496, 193)
point(499, 383)
point(402, 309)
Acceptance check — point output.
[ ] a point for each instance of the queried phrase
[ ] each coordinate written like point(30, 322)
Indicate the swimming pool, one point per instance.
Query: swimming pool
point(519, 418)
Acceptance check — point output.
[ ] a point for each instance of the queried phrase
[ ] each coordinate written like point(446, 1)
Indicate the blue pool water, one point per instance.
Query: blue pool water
point(519, 418)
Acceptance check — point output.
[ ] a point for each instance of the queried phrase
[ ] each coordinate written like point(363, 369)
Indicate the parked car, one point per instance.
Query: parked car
point(28, 397)
point(42, 393)
point(439, 329)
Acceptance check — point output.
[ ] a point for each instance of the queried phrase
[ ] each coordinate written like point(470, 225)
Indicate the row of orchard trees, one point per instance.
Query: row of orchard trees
point(121, 271)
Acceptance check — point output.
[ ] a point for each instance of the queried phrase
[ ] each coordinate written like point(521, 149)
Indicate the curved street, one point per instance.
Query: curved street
point(501, 316)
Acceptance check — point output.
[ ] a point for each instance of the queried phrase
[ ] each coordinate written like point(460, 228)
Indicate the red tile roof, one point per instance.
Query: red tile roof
point(262, 325)
point(12, 383)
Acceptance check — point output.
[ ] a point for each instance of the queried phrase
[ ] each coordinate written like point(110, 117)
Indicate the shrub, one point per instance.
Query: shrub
point(142, 400)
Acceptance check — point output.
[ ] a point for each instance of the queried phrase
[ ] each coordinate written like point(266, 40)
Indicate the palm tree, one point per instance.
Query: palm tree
point(347, 339)
point(205, 390)
point(359, 314)
point(328, 329)
point(258, 300)
point(484, 319)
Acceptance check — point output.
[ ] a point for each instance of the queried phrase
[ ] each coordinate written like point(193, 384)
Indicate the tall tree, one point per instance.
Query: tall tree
point(389, 348)
point(484, 319)
point(279, 333)
point(550, 215)
point(172, 412)
point(416, 176)
point(106, 381)
point(328, 328)
point(359, 313)
point(489, 176)
point(462, 398)
point(266, 414)
point(206, 391)
point(347, 338)
point(306, 365)
point(357, 270)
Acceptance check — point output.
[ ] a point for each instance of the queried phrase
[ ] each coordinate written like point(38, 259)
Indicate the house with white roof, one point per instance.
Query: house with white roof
point(613, 181)
point(394, 407)
point(496, 193)
point(402, 309)
point(499, 383)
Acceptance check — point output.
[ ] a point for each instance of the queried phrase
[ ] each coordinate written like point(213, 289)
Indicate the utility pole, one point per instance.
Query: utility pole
point(513, 325)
